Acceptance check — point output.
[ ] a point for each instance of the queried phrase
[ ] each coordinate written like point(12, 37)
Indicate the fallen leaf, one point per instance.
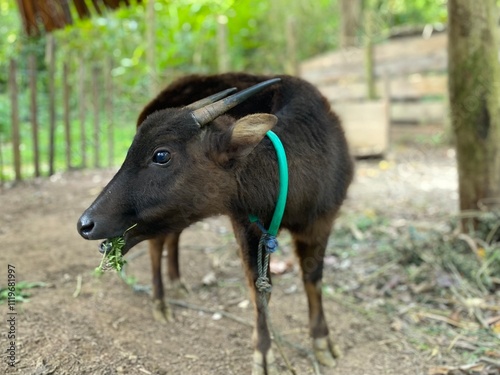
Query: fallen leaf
point(494, 320)
point(385, 165)
point(397, 325)
point(439, 370)
point(279, 267)
point(209, 279)
point(331, 260)
point(217, 316)
point(496, 328)
point(455, 316)
point(481, 253)
point(492, 353)
point(292, 289)
point(244, 304)
point(474, 302)
point(435, 352)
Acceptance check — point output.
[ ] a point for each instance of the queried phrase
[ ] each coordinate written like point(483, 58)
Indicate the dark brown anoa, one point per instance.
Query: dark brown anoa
point(177, 173)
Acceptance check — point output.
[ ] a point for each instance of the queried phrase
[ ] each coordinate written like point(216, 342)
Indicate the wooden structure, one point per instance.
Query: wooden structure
point(39, 17)
point(50, 15)
point(411, 81)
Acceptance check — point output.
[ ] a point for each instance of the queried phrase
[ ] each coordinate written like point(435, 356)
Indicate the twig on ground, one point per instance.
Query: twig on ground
point(472, 244)
point(444, 319)
point(490, 361)
point(207, 310)
point(491, 235)
point(386, 267)
point(305, 353)
point(301, 350)
point(78, 289)
point(453, 342)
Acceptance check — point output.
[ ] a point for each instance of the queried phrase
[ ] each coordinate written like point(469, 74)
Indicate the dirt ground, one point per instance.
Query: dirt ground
point(107, 328)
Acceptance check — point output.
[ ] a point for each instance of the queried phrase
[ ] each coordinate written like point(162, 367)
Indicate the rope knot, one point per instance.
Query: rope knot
point(263, 285)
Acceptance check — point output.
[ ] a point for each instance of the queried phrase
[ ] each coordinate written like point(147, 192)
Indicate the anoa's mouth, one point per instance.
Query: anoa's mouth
point(107, 246)
point(121, 243)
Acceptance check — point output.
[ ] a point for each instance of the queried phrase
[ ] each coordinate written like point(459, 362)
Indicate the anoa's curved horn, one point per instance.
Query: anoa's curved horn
point(210, 112)
point(210, 99)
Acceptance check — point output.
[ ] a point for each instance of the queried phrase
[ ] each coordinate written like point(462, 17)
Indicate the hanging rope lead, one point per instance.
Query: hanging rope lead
point(268, 239)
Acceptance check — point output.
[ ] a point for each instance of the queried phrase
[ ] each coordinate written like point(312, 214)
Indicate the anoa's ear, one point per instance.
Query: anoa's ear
point(249, 131)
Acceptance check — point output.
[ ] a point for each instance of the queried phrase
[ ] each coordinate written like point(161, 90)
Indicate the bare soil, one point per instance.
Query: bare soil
point(108, 328)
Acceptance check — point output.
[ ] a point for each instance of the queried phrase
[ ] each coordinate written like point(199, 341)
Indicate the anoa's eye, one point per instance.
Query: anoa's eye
point(161, 157)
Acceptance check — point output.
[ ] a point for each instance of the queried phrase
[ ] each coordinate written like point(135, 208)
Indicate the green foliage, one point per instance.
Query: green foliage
point(21, 291)
point(10, 36)
point(416, 12)
point(186, 34)
point(390, 14)
point(112, 257)
point(186, 42)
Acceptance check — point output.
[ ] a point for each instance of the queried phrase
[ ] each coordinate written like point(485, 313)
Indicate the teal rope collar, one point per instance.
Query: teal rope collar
point(271, 242)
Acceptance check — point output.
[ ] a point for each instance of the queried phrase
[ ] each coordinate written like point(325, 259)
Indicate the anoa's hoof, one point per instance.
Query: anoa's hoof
point(264, 365)
point(178, 290)
point(161, 312)
point(326, 351)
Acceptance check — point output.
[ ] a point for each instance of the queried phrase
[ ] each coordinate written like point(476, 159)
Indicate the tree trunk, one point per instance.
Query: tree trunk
point(151, 47)
point(350, 18)
point(474, 91)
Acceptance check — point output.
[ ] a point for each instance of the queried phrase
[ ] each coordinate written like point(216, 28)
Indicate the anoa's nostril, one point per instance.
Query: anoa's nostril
point(85, 226)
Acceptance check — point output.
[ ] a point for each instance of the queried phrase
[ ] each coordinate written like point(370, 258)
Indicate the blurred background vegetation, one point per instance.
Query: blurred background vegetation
point(185, 42)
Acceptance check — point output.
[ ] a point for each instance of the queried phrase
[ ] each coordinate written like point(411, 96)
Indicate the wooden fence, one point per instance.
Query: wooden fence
point(411, 81)
point(85, 91)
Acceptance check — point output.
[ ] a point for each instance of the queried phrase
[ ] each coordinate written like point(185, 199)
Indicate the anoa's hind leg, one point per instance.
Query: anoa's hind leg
point(161, 311)
point(178, 289)
point(310, 246)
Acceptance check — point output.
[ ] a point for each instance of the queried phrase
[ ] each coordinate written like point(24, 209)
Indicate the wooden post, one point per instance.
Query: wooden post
point(387, 103)
point(95, 103)
point(222, 44)
point(369, 58)
point(67, 130)
point(2, 178)
point(291, 63)
point(51, 63)
point(16, 139)
point(350, 19)
point(32, 68)
point(82, 113)
point(108, 82)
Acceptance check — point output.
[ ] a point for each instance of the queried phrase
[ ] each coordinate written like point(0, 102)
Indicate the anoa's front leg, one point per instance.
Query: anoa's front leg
point(263, 358)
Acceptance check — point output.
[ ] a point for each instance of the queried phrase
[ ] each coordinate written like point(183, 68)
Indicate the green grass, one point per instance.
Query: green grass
point(21, 291)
